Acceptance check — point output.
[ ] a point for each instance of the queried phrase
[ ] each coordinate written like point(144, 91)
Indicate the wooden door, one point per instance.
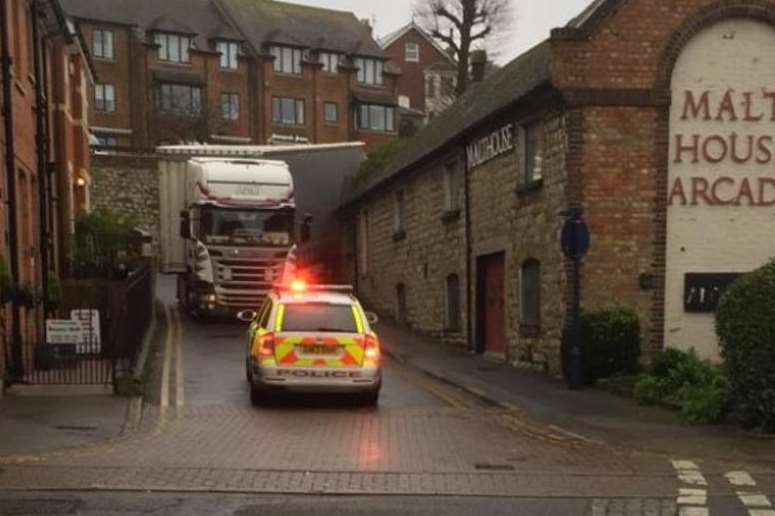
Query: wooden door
point(492, 304)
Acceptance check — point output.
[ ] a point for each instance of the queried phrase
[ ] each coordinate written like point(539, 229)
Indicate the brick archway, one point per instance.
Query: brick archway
point(762, 10)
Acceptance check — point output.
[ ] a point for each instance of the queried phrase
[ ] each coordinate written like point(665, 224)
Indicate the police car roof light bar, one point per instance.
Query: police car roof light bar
point(343, 289)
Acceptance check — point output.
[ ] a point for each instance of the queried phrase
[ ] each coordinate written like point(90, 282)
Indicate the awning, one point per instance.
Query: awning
point(178, 77)
point(376, 97)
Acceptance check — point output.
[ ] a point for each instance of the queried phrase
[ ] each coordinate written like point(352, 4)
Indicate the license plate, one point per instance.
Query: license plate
point(320, 349)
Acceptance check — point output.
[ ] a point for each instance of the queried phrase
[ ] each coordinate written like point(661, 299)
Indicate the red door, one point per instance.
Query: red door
point(494, 317)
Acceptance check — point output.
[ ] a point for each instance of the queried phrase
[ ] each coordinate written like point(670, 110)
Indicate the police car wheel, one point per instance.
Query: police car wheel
point(371, 398)
point(256, 395)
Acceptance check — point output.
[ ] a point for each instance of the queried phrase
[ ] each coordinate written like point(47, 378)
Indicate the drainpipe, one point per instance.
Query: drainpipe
point(42, 148)
point(17, 367)
point(470, 307)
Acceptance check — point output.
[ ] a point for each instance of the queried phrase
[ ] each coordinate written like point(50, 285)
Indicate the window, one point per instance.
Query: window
point(105, 98)
point(530, 297)
point(377, 118)
point(401, 303)
point(317, 317)
point(179, 99)
point(404, 101)
point(412, 53)
point(287, 111)
point(332, 112)
point(454, 322)
point(287, 60)
point(107, 141)
point(330, 62)
point(174, 48)
point(363, 242)
point(431, 81)
point(532, 152)
point(370, 71)
point(230, 106)
point(229, 54)
point(451, 187)
point(399, 212)
point(103, 44)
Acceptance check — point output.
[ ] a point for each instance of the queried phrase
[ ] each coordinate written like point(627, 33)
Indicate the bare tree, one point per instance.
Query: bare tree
point(463, 26)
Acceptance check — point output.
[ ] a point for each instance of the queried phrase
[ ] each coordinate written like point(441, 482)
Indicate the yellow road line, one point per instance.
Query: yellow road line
point(165, 374)
point(179, 394)
point(429, 385)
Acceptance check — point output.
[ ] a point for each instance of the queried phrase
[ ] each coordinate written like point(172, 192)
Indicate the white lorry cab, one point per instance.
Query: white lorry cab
point(236, 234)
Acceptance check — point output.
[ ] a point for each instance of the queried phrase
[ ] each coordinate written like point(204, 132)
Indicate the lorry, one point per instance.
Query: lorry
point(236, 234)
point(236, 219)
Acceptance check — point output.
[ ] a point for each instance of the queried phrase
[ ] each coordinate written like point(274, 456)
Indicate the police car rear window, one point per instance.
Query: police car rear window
point(319, 317)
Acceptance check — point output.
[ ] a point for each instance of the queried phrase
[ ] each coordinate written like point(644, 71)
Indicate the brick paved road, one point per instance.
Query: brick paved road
point(424, 439)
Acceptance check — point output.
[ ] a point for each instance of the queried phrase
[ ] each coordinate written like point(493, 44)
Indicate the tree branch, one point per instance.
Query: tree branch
point(482, 34)
point(442, 11)
point(449, 40)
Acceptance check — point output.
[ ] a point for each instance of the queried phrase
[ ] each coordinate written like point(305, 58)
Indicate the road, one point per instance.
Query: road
point(428, 448)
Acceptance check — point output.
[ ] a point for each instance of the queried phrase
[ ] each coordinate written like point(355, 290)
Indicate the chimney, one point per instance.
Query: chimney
point(478, 65)
point(368, 24)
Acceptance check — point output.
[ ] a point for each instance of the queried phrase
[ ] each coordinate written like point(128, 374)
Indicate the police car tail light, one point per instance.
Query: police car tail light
point(371, 349)
point(266, 345)
point(298, 286)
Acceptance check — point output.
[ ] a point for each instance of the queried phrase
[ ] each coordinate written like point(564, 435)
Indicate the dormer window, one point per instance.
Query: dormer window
point(370, 71)
point(229, 51)
point(330, 62)
point(287, 60)
point(173, 48)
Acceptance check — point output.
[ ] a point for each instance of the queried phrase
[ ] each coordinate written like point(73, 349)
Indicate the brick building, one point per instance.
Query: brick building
point(428, 73)
point(234, 71)
point(653, 116)
point(45, 166)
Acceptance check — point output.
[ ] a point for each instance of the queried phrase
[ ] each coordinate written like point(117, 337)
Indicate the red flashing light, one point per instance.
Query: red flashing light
point(298, 286)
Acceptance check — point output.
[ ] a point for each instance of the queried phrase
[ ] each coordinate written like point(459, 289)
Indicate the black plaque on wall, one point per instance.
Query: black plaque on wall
point(703, 291)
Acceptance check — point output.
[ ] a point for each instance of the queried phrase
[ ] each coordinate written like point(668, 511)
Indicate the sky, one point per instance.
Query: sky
point(533, 21)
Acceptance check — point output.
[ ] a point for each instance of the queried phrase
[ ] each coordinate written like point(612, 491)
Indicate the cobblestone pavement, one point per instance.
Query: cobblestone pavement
point(426, 438)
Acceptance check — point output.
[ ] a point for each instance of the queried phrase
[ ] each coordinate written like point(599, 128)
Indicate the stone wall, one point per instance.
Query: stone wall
point(128, 185)
point(432, 248)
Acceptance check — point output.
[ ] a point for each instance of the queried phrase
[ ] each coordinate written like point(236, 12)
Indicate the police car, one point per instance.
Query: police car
point(312, 338)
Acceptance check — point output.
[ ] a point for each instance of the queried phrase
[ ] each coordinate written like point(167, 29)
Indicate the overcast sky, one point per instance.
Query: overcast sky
point(534, 18)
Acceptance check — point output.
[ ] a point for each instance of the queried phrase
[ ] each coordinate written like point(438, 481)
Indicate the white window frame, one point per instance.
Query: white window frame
point(329, 120)
point(451, 186)
point(412, 52)
point(370, 71)
point(399, 211)
point(105, 49)
point(531, 172)
point(230, 106)
point(330, 62)
point(165, 94)
point(287, 60)
point(368, 117)
point(280, 106)
point(105, 98)
point(229, 51)
point(168, 41)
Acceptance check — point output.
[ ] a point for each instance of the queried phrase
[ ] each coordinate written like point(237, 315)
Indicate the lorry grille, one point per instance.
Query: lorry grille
point(245, 282)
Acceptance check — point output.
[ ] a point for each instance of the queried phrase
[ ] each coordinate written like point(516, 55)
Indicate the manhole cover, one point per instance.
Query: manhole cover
point(34, 507)
point(494, 467)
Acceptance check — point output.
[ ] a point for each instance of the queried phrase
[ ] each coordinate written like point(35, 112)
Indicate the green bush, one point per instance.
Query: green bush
point(101, 237)
point(611, 342)
point(377, 161)
point(678, 379)
point(745, 324)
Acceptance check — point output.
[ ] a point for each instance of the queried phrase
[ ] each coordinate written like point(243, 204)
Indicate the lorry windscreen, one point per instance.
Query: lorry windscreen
point(220, 226)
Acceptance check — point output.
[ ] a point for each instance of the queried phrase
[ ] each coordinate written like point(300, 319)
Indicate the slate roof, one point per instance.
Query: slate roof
point(263, 21)
point(503, 88)
point(200, 17)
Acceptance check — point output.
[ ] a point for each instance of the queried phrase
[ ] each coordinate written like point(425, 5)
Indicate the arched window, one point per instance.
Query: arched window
point(530, 297)
point(453, 303)
point(401, 303)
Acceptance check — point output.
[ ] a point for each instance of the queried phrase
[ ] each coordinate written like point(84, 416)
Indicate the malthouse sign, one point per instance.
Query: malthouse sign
point(732, 148)
point(490, 147)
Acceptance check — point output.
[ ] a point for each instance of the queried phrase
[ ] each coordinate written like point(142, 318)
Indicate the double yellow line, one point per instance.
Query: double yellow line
point(449, 395)
point(173, 350)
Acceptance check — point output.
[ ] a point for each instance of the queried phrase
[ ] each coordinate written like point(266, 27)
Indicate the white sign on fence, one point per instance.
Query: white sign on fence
point(90, 320)
point(81, 330)
point(63, 331)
